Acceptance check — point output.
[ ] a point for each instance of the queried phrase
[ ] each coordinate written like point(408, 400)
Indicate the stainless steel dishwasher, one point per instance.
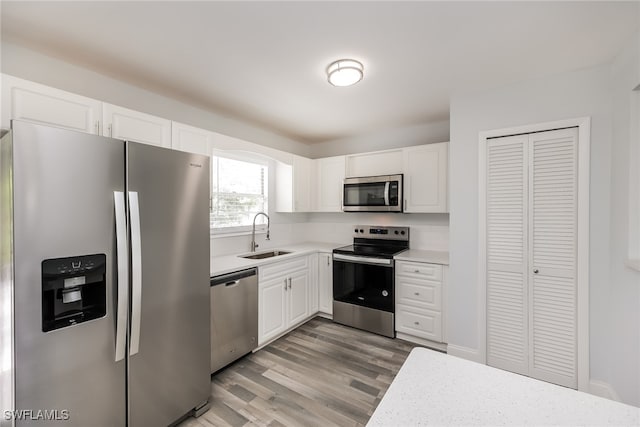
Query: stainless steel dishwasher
point(234, 316)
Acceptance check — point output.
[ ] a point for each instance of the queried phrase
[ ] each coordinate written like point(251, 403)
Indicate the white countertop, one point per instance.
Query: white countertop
point(433, 388)
point(417, 255)
point(231, 263)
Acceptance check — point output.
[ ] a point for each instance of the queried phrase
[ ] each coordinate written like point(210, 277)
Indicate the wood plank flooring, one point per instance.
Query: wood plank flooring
point(320, 374)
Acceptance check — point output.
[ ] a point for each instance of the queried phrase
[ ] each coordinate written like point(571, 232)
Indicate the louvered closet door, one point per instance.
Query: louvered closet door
point(552, 256)
point(506, 204)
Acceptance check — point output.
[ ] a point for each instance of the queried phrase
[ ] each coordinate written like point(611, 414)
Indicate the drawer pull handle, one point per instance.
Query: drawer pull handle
point(416, 271)
point(416, 323)
point(416, 293)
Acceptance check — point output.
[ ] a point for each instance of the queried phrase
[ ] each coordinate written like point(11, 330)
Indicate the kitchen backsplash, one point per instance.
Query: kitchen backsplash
point(428, 232)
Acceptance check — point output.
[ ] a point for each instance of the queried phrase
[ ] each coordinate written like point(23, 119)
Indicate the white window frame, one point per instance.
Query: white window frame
point(243, 156)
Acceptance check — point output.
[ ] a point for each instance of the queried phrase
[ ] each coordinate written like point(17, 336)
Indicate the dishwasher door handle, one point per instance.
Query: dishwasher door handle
point(232, 283)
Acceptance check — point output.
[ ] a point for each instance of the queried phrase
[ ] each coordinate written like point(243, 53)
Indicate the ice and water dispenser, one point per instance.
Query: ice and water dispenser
point(74, 290)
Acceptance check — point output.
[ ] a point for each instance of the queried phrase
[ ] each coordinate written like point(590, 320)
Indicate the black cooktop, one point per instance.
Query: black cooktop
point(377, 241)
point(382, 251)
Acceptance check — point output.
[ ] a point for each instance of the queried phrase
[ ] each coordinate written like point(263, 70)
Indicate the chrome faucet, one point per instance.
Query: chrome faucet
point(253, 231)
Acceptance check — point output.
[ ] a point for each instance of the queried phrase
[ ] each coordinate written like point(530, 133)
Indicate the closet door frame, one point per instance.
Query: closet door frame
point(582, 272)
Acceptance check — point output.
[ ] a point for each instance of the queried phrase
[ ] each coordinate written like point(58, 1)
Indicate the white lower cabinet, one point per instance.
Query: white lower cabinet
point(283, 297)
point(271, 309)
point(298, 297)
point(419, 295)
point(325, 283)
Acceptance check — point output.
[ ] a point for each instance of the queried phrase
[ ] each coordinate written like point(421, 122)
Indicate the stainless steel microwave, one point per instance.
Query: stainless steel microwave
point(373, 194)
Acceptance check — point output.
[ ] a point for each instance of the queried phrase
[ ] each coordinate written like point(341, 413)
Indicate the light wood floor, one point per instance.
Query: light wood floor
point(320, 374)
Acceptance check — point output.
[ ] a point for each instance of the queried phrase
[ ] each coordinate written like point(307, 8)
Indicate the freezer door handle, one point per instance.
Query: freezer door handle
point(123, 274)
point(136, 272)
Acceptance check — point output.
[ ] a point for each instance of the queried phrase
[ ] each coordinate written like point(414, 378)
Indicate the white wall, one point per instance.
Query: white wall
point(570, 95)
point(624, 283)
point(393, 138)
point(30, 65)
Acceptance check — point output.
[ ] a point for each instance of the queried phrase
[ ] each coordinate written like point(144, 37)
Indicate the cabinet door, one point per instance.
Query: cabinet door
point(271, 308)
point(191, 139)
point(25, 100)
point(298, 297)
point(419, 322)
point(131, 125)
point(387, 162)
point(313, 283)
point(425, 178)
point(325, 282)
point(419, 293)
point(329, 180)
point(301, 184)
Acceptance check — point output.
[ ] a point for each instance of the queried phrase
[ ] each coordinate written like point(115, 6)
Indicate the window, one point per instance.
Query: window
point(238, 192)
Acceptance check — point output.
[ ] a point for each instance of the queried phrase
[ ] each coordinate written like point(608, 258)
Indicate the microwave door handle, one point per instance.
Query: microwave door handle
point(386, 193)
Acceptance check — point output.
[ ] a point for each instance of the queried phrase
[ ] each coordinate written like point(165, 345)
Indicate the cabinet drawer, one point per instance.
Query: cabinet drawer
point(419, 292)
point(283, 267)
point(419, 269)
point(419, 322)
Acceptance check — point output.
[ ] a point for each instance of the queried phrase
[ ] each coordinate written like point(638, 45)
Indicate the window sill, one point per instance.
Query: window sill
point(220, 235)
point(633, 263)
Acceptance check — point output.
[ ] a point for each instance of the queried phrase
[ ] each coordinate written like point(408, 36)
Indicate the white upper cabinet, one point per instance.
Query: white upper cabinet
point(191, 139)
point(293, 185)
point(130, 125)
point(301, 184)
point(425, 178)
point(387, 162)
point(25, 100)
point(328, 180)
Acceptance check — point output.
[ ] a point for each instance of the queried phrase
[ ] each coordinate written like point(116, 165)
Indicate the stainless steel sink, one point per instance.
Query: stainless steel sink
point(263, 255)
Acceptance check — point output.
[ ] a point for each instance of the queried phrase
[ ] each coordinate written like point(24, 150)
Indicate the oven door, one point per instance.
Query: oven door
point(364, 281)
point(373, 194)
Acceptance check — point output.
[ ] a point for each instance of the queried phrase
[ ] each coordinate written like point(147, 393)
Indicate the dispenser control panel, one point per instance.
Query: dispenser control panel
point(73, 290)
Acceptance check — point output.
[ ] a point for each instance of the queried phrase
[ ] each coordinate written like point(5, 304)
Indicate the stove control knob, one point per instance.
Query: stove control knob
point(396, 232)
point(356, 230)
point(361, 230)
point(402, 232)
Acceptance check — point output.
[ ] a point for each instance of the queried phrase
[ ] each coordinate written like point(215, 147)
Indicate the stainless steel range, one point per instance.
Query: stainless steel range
point(364, 278)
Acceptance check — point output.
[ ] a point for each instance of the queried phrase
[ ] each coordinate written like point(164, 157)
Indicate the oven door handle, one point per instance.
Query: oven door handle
point(382, 262)
point(386, 193)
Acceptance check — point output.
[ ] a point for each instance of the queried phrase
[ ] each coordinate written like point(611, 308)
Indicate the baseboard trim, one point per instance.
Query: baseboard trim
point(465, 353)
point(603, 389)
point(421, 341)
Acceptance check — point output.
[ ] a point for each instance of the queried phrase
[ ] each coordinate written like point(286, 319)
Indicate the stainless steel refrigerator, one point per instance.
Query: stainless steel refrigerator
point(104, 280)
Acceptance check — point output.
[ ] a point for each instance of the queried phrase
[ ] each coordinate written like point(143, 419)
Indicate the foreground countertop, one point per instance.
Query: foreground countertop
point(433, 388)
point(417, 255)
point(230, 263)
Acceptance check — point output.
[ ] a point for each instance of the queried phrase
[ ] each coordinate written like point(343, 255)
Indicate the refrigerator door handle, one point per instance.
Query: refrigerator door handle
point(123, 274)
point(136, 272)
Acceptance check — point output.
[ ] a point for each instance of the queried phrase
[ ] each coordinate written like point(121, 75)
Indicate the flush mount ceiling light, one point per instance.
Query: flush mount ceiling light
point(345, 72)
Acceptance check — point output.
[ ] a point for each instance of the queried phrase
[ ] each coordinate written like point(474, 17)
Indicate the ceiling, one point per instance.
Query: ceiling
point(264, 62)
